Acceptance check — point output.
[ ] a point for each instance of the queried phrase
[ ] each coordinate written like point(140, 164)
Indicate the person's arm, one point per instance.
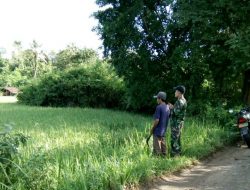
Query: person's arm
point(171, 106)
point(156, 119)
point(155, 123)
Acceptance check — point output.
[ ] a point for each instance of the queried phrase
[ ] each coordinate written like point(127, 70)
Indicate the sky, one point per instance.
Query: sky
point(52, 23)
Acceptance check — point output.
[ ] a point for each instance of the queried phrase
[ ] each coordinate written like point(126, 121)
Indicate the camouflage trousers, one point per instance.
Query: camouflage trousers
point(175, 138)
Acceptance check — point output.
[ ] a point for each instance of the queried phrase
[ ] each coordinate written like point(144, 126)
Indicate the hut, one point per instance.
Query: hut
point(10, 91)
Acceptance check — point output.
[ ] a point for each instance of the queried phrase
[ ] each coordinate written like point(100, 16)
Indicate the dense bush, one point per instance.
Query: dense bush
point(215, 113)
point(95, 85)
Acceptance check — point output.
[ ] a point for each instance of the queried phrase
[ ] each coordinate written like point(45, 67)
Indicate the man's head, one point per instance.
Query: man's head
point(161, 97)
point(179, 91)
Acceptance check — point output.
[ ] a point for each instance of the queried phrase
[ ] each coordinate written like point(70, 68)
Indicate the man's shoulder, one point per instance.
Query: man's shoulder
point(163, 107)
point(182, 101)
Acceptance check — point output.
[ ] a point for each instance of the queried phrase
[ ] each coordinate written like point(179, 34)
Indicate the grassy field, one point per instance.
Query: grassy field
point(73, 148)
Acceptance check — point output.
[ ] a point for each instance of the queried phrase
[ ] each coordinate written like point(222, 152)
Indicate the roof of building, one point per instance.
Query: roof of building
point(12, 90)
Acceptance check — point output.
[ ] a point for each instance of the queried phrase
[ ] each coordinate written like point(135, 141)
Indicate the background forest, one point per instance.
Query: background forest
point(148, 46)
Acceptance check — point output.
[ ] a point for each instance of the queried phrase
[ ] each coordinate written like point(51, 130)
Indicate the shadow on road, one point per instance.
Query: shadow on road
point(229, 169)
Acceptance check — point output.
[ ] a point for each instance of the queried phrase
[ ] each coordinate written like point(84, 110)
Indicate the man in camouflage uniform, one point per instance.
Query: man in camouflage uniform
point(178, 111)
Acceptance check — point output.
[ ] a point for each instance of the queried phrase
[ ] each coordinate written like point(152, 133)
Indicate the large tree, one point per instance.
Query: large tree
point(156, 44)
point(32, 62)
point(148, 47)
point(220, 32)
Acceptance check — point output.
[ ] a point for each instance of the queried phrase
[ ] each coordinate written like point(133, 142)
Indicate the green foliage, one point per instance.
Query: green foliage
point(24, 65)
point(34, 173)
point(31, 62)
point(213, 112)
point(134, 35)
point(178, 42)
point(73, 56)
point(212, 36)
point(3, 63)
point(95, 85)
point(37, 172)
point(12, 78)
point(74, 148)
point(9, 144)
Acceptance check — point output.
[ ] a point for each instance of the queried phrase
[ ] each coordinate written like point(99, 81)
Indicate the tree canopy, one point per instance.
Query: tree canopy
point(26, 65)
point(156, 45)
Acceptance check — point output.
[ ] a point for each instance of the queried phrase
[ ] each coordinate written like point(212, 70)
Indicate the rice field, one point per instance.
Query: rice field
point(85, 149)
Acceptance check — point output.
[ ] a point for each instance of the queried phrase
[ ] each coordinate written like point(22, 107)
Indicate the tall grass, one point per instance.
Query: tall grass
point(73, 148)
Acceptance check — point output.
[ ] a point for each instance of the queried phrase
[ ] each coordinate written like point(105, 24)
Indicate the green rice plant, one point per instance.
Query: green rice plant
point(74, 148)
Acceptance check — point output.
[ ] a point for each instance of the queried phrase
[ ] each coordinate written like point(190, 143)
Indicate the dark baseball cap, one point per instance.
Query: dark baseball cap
point(180, 88)
point(161, 95)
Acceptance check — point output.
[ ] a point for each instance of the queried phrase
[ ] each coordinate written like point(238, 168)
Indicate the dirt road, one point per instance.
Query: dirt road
point(225, 170)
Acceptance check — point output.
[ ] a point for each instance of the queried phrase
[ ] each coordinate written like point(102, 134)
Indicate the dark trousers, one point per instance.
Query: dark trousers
point(159, 146)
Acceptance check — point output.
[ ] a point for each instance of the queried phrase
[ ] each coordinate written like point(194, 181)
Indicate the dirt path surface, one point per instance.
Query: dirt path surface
point(225, 170)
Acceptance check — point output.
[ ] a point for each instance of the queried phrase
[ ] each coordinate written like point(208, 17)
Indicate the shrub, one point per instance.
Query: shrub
point(209, 112)
point(9, 144)
point(95, 85)
point(39, 170)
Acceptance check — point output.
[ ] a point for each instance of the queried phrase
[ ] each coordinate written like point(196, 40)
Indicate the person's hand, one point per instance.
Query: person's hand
point(171, 106)
point(181, 125)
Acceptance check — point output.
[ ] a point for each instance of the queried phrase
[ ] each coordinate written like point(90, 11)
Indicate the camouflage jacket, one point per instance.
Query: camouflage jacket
point(179, 111)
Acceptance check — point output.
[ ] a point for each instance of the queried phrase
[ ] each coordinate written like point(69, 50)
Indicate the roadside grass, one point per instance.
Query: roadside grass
point(74, 148)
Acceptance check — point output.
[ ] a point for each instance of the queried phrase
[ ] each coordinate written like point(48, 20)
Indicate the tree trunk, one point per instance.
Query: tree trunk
point(246, 88)
point(35, 65)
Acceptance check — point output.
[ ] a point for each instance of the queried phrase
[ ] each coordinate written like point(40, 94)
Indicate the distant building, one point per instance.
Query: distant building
point(10, 91)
